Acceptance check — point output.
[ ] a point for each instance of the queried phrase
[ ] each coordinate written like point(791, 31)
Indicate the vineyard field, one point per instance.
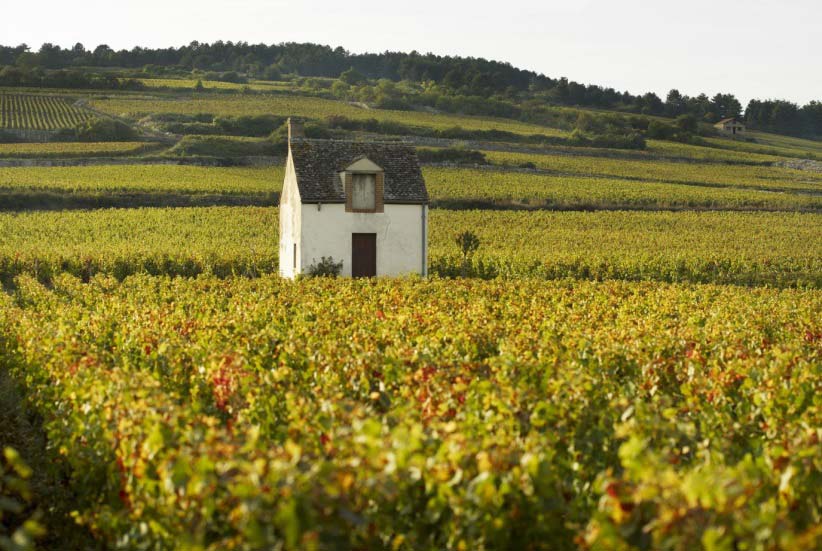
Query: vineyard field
point(190, 84)
point(426, 414)
point(714, 153)
point(464, 186)
point(592, 188)
point(156, 178)
point(713, 174)
point(38, 112)
point(611, 350)
point(772, 144)
point(74, 149)
point(783, 249)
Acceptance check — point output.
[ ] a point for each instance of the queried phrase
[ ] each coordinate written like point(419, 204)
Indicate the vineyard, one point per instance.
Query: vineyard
point(631, 359)
point(450, 186)
point(573, 183)
point(213, 84)
point(36, 112)
point(717, 175)
point(427, 415)
point(73, 149)
point(781, 249)
point(774, 144)
point(160, 178)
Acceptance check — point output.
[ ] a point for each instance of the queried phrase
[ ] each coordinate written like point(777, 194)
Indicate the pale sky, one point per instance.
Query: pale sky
point(751, 48)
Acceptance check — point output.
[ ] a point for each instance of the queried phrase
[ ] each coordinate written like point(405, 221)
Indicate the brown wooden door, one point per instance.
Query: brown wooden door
point(363, 254)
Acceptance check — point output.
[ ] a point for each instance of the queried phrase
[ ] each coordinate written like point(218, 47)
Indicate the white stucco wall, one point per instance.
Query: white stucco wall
point(290, 219)
point(400, 237)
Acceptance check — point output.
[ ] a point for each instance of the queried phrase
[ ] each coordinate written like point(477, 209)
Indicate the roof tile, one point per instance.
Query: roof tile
point(319, 162)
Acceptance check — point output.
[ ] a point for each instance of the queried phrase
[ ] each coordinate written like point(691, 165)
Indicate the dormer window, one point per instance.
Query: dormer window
point(363, 192)
point(364, 183)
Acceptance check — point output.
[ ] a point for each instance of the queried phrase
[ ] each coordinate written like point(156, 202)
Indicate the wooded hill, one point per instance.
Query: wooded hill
point(458, 83)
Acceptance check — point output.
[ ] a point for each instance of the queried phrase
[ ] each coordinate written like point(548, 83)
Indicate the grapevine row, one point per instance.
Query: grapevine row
point(782, 249)
point(461, 187)
point(249, 414)
point(37, 112)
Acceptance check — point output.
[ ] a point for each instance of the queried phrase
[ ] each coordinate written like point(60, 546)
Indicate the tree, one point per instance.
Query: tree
point(468, 243)
point(688, 123)
point(339, 89)
point(453, 79)
point(103, 52)
point(352, 77)
point(660, 131)
point(675, 103)
point(785, 117)
point(724, 106)
point(650, 104)
point(812, 117)
point(272, 72)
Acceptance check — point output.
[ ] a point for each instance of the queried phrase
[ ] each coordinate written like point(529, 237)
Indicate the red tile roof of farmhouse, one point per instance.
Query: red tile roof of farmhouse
point(319, 162)
point(730, 119)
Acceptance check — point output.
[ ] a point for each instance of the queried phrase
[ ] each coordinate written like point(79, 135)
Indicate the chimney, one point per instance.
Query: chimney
point(295, 129)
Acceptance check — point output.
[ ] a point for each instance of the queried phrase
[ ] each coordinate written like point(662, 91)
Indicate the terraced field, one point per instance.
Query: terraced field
point(772, 144)
point(74, 149)
point(711, 174)
point(190, 84)
point(309, 107)
point(714, 151)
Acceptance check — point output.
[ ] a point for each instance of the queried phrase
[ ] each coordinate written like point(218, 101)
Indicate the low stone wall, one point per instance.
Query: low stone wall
point(801, 164)
point(91, 161)
point(30, 135)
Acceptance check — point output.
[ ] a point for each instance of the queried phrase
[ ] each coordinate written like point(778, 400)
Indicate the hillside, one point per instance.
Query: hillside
point(405, 80)
point(629, 359)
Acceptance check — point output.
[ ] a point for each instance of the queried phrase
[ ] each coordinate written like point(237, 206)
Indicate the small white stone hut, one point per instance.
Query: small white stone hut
point(362, 204)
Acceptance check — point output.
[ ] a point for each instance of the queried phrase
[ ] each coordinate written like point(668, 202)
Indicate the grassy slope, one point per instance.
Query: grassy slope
point(771, 145)
point(302, 106)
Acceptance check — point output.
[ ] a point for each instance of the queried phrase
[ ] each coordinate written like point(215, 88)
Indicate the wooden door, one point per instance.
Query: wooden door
point(363, 254)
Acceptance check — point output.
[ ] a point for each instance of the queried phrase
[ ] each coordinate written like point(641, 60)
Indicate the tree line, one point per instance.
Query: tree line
point(467, 77)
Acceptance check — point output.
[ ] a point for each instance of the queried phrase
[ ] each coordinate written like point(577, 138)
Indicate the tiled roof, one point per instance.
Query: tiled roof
point(723, 121)
point(319, 162)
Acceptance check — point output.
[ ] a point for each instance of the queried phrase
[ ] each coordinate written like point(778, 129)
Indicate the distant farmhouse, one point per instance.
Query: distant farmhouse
point(362, 204)
point(730, 127)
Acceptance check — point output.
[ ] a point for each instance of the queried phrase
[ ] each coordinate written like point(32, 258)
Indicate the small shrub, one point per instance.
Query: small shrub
point(7, 137)
point(468, 242)
point(450, 154)
point(105, 130)
point(326, 267)
point(224, 147)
